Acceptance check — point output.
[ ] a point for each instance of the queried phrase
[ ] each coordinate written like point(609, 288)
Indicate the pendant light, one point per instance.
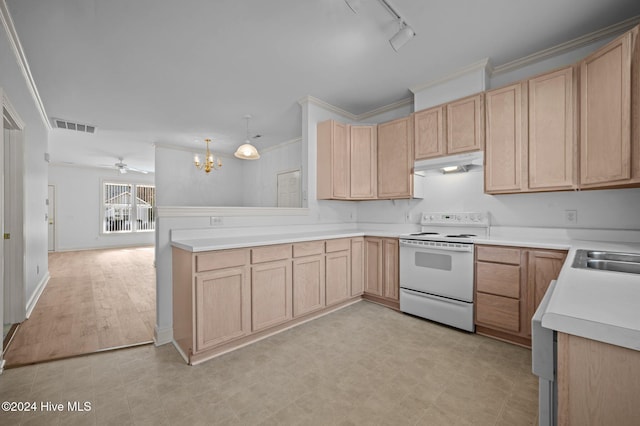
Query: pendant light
point(246, 151)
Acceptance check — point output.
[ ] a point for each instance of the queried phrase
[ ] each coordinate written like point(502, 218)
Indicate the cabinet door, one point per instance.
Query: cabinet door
point(544, 267)
point(465, 124)
point(338, 282)
point(552, 142)
point(308, 284)
point(391, 283)
point(364, 162)
point(429, 133)
point(395, 158)
point(222, 307)
point(505, 168)
point(270, 294)
point(605, 114)
point(373, 266)
point(332, 160)
point(357, 266)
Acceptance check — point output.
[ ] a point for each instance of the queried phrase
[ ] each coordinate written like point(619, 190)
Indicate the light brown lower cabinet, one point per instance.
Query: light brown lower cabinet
point(509, 285)
point(382, 281)
point(223, 299)
point(308, 284)
point(597, 383)
point(223, 303)
point(271, 294)
point(357, 266)
point(338, 271)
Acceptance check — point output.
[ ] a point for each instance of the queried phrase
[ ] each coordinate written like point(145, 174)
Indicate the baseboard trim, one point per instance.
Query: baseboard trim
point(31, 304)
point(162, 336)
point(180, 351)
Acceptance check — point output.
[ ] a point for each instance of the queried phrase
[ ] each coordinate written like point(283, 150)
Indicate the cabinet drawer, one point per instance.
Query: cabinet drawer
point(269, 253)
point(498, 311)
point(338, 245)
point(220, 259)
point(498, 254)
point(496, 278)
point(308, 248)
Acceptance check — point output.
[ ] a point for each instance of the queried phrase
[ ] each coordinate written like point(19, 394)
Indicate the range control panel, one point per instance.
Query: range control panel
point(466, 219)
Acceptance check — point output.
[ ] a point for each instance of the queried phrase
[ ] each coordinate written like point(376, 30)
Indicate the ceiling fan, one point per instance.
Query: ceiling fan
point(123, 168)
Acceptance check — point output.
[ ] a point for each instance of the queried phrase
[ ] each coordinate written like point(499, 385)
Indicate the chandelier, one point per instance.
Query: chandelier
point(210, 162)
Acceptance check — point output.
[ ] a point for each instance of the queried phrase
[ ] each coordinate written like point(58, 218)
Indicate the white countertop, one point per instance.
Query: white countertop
point(208, 244)
point(594, 304)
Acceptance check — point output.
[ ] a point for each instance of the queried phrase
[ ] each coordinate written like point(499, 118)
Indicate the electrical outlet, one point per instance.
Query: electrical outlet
point(570, 217)
point(407, 217)
point(215, 220)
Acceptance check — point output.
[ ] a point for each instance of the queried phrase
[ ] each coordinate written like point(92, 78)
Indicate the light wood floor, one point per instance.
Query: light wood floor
point(95, 300)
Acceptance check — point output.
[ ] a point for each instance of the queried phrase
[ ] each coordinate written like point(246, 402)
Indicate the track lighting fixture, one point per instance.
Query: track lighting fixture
point(404, 34)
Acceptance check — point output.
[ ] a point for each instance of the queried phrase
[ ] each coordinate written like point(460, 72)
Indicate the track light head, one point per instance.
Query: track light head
point(404, 34)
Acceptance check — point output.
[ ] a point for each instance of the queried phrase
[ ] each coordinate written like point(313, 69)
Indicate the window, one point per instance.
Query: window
point(124, 212)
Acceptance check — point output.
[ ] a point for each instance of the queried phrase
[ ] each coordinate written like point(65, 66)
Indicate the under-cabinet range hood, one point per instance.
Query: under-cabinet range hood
point(465, 161)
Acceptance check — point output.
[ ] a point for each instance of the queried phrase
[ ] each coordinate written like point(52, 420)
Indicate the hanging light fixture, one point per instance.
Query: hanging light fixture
point(210, 162)
point(246, 151)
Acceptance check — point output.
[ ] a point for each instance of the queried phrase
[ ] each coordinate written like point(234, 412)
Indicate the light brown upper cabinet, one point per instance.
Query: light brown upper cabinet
point(429, 133)
point(451, 128)
point(347, 161)
point(465, 124)
point(609, 89)
point(333, 160)
point(363, 163)
point(505, 149)
point(395, 158)
point(553, 153)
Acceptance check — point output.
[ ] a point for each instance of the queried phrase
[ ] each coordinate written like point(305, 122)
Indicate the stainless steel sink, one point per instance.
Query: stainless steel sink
point(607, 261)
point(607, 255)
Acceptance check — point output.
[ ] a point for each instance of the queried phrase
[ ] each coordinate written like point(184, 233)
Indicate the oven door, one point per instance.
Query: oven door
point(442, 269)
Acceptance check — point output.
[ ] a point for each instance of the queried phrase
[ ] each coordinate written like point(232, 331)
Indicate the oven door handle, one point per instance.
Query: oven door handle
point(432, 247)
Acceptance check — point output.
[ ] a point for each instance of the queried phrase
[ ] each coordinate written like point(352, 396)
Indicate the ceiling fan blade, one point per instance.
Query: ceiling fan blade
point(133, 169)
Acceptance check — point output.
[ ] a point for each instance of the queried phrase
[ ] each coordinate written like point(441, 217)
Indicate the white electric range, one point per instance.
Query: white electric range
point(436, 267)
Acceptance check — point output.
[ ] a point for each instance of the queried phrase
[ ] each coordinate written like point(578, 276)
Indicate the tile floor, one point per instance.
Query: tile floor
point(365, 364)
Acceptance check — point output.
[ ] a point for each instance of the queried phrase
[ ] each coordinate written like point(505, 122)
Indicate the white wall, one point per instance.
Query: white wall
point(78, 208)
point(179, 183)
point(35, 175)
point(614, 208)
point(260, 176)
point(323, 212)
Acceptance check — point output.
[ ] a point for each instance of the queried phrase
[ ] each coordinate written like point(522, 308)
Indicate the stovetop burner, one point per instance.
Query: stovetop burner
point(462, 236)
point(426, 233)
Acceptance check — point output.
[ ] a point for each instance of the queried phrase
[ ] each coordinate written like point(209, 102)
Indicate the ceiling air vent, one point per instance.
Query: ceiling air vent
point(59, 123)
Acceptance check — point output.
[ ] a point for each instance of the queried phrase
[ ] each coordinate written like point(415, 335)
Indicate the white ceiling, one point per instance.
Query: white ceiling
point(166, 71)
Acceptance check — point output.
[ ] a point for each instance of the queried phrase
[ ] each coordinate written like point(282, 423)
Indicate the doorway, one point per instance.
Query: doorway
point(13, 306)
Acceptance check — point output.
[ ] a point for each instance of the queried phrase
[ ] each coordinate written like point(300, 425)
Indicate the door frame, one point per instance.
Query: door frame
point(51, 216)
point(14, 309)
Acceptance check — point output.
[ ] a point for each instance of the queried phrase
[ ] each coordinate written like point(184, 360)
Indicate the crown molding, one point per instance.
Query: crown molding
point(11, 115)
point(21, 59)
point(395, 105)
point(315, 101)
point(584, 40)
point(355, 117)
point(193, 211)
point(482, 64)
point(281, 145)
